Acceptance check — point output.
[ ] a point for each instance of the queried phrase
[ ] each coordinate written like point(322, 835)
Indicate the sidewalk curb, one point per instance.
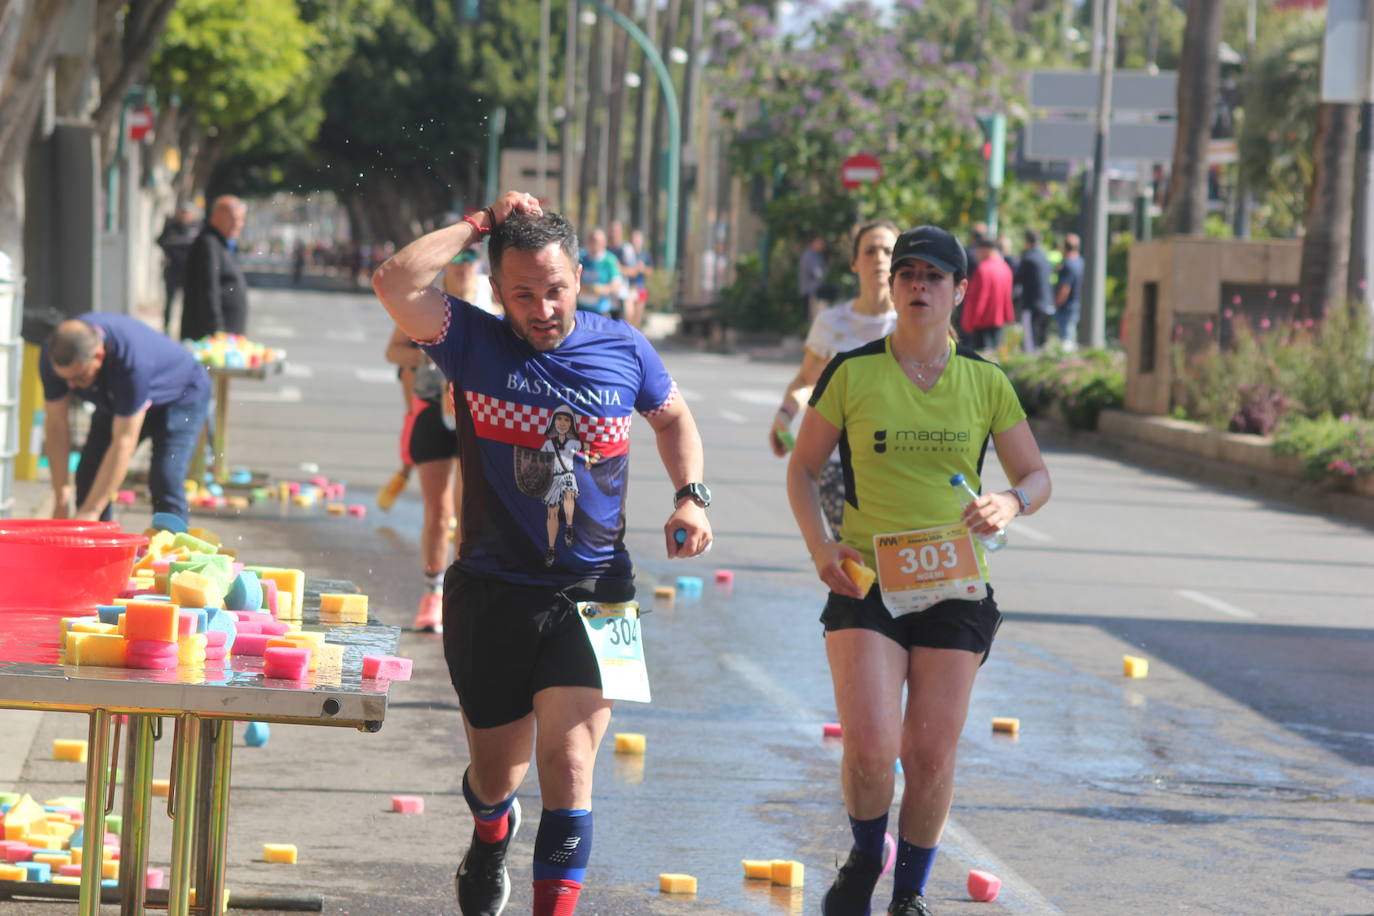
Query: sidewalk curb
point(1206, 456)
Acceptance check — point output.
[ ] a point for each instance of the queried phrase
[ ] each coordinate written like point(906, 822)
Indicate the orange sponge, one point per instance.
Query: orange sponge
point(155, 620)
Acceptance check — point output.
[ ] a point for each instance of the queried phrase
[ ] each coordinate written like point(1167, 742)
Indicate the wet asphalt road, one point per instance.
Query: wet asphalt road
point(1237, 778)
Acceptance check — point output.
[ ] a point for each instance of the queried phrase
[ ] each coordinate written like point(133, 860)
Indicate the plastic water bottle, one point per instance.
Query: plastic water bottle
point(967, 495)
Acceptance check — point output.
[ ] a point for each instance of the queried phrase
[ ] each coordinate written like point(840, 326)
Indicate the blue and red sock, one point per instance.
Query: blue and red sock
point(562, 848)
point(490, 820)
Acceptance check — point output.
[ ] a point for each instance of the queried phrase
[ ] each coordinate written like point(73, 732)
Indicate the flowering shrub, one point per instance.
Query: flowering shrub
point(1330, 446)
point(1083, 383)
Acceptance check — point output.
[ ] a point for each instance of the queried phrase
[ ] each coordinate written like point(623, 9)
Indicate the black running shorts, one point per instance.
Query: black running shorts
point(953, 624)
point(504, 643)
point(430, 438)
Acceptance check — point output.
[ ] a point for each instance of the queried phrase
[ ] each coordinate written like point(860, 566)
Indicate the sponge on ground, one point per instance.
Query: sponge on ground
point(284, 853)
point(677, 884)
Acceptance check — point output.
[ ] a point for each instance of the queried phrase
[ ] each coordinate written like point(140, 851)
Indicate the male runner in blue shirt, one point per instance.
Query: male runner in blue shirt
point(544, 402)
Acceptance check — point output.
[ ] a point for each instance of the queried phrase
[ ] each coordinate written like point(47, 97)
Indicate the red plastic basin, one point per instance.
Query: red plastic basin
point(52, 526)
point(42, 570)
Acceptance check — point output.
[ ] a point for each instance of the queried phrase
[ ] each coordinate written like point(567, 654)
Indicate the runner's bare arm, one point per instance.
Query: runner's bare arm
point(1025, 468)
point(815, 443)
point(403, 281)
point(679, 446)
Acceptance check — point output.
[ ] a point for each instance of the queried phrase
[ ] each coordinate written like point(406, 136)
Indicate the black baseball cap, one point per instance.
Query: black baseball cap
point(933, 245)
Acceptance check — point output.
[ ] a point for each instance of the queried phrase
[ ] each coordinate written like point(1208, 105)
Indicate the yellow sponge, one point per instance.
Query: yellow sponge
point(677, 884)
point(859, 574)
point(73, 749)
point(1006, 725)
point(283, 853)
point(758, 868)
point(1132, 665)
point(349, 608)
point(628, 743)
point(65, 879)
point(788, 874)
point(15, 873)
point(108, 649)
point(109, 868)
point(191, 589)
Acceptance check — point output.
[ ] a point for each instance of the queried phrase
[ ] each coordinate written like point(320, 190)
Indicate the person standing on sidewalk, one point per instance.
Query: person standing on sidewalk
point(1068, 293)
point(518, 652)
point(1037, 301)
point(929, 633)
point(144, 386)
point(834, 330)
point(988, 305)
point(175, 241)
point(216, 297)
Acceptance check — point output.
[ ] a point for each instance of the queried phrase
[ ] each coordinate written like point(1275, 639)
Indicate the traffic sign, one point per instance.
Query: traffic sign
point(860, 169)
point(1075, 140)
point(139, 121)
point(1077, 90)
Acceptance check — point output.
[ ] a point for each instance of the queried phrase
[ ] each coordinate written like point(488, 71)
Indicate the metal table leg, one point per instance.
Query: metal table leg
point(212, 815)
point(93, 823)
point(219, 467)
point(133, 842)
point(181, 805)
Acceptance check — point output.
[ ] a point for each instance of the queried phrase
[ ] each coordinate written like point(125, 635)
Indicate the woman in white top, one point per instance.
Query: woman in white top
point(835, 330)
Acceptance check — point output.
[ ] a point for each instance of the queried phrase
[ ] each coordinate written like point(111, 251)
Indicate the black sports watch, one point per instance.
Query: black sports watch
point(697, 491)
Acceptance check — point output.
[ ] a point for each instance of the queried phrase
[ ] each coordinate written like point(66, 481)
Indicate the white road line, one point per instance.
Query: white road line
point(1215, 604)
point(1017, 896)
point(342, 335)
point(286, 394)
point(274, 330)
point(375, 375)
point(1021, 528)
point(760, 396)
point(296, 370)
point(733, 417)
point(687, 393)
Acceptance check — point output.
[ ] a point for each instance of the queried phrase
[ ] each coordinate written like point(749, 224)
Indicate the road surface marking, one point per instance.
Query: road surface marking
point(1018, 896)
point(275, 330)
point(287, 394)
point(733, 417)
point(296, 370)
point(1215, 604)
point(687, 393)
point(760, 396)
point(1035, 534)
point(349, 335)
point(375, 374)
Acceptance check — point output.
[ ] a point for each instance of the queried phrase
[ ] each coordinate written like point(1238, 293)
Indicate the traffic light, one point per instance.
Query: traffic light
point(994, 147)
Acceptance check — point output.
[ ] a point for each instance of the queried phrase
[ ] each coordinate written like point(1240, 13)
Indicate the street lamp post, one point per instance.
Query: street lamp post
point(665, 82)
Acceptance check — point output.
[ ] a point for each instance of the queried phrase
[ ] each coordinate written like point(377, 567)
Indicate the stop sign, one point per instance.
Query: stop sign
point(860, 169)
point(140, 121)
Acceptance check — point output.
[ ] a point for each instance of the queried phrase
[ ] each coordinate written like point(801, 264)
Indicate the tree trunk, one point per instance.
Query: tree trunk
point(653, 230)
point(594, 112)
point(1198, 80)
point(616, 101)
point(1326, 245)
point(143, 27)
point(639, 162)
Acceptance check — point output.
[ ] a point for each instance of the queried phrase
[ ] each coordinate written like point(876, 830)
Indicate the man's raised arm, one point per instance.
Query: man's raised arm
point(403, 282)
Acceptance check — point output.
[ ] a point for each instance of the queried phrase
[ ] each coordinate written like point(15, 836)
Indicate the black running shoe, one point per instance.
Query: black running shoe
point(482, 884)
point(852, 891)
point(549, 557)
point(568, 535)
point(906, 903)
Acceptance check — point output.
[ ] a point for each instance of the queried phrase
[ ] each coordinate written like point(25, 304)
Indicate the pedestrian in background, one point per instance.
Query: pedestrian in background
point(811, 271)
point(908, 632)
point(834, 330)
point(143, 386)
point(1037, 300)
point(216, 296)
point(175, 241)
point(601, 280)
point(1068, 292)
point(988, 304)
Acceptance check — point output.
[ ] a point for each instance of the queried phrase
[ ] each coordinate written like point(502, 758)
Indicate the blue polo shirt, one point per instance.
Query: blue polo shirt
point(519, 468)
point(143, 368)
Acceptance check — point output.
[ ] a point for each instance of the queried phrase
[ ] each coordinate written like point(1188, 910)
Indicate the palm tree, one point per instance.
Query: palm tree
point(1198, 81)
point(1326, 246)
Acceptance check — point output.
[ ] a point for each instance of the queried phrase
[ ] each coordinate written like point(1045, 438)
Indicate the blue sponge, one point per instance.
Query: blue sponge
point(245, 594)
point(257, 734)
point(223, 622)
point(166, 521)
point(38, 871)
point(109, 613)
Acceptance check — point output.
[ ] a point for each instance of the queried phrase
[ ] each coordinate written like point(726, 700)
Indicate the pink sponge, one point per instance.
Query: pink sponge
point(407, 804)
point(983, 885)
point(386, 667)
point(285, 663)
point(153, 879)
point(832, 730)
point(357, 510)
point(151, 654)
point(250, 643)
point(275, 628)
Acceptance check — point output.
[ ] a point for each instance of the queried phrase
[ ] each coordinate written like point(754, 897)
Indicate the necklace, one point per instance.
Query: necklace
point(919, 368)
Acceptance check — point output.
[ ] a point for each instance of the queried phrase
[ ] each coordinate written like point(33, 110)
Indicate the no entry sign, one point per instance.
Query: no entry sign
point(860, 169)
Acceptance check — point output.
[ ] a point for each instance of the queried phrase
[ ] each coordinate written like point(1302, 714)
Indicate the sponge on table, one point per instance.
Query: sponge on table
point(287, 663)
point(350, 608)
point(193, 589)
point(677, 884)
point(284, 853)
point(151, 620)
point(107, 649)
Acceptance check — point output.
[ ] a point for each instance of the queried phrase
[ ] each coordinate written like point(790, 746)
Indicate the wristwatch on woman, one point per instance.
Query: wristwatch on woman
point(698, 493)
point(1022, 498)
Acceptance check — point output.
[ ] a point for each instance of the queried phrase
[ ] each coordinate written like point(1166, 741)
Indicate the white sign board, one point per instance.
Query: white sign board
point(1073, 141)
point(1345, 52)
point(1077, 90)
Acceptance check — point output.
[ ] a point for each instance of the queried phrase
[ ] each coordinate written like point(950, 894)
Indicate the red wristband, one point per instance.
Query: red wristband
point(473, 223)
